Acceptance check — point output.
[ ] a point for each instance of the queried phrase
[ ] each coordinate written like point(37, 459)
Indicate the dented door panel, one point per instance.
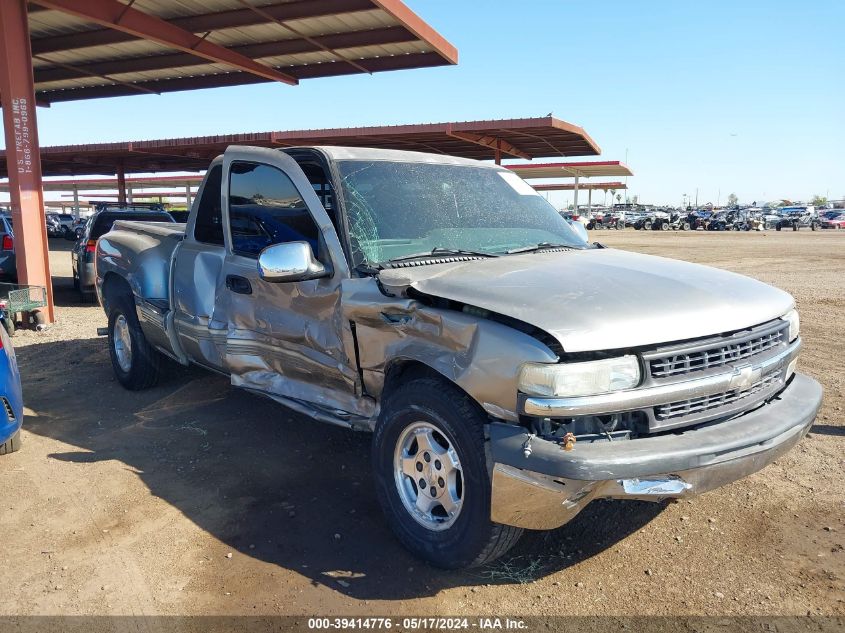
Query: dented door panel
point(285, 339)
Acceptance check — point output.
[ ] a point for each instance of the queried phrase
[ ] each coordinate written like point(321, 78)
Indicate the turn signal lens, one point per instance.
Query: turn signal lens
point(794, 324)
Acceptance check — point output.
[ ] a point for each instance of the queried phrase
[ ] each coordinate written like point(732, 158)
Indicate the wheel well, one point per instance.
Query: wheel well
point(402, 370)
point(114, 286)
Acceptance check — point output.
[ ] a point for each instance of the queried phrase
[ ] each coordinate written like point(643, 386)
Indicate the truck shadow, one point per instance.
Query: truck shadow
point(270, 483)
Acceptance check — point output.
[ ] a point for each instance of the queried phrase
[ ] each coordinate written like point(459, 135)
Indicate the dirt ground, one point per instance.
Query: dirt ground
point(196, 498)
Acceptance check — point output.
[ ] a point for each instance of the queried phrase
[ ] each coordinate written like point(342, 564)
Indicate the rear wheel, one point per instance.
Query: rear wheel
point(135, 362)
point(647, 225)
point(685, 226)
point(795, 226)
point(664, 226)
point(12, 444)
point(432, 478)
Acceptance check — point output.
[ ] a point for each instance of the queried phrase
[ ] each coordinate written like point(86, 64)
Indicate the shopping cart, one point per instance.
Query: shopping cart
point(16, 298)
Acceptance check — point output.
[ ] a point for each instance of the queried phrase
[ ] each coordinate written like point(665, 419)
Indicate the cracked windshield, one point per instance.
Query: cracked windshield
point(402, 210)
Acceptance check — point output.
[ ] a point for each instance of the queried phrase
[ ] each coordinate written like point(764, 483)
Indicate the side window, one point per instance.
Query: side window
point(209, 224)
point(265, 208)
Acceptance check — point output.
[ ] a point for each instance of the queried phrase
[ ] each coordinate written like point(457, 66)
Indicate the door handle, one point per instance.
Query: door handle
point(238, 284)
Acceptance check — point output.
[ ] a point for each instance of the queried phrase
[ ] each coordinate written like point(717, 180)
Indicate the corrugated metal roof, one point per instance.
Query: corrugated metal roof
point(79, 53)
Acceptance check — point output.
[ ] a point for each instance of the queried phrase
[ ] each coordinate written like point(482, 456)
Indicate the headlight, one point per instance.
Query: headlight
point(794, 324)
point(580, 379)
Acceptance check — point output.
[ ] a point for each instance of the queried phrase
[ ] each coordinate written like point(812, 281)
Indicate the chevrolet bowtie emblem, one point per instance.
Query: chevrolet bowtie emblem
point(744, 376)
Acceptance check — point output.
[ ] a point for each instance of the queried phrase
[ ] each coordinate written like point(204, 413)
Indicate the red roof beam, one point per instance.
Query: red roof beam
point(122, 17)
point(488, 141)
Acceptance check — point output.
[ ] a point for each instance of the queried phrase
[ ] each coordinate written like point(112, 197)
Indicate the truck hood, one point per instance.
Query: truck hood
point(601, 299)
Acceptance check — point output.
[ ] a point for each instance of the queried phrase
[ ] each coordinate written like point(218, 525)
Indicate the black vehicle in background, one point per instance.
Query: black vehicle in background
point(798, 217)
point(82, 254)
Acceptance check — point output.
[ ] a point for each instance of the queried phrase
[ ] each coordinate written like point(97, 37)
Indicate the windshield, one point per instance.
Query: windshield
point(399, 209)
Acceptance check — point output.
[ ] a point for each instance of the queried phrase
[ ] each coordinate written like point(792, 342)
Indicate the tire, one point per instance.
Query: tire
point(795, 226)
point(591, 225)
point(685, 226)
point(664, 226)
point(76, 283)
point(140, 368)
point(647, 225)
point(813, 226)
point(620, 225)
point(12, 445)
point(444, 415)
point(778, 227)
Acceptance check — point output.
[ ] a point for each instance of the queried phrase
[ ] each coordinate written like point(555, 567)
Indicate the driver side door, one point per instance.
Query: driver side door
point(284, 339)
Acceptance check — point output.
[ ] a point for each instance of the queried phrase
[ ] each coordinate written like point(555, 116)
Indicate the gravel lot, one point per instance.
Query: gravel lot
point(195, 498)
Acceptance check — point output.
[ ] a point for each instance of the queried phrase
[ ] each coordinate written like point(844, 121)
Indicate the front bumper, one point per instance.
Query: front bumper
point(547, 487)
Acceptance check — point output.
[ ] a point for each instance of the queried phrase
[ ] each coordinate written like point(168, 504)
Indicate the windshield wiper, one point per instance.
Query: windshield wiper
point(538, 247)
point(439, 250)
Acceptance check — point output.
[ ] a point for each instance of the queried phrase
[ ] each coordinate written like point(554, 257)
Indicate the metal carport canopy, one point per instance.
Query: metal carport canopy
point(83, 49)
point(62, 50)
point(483, 140)
point(570, 186)
point(584, 169)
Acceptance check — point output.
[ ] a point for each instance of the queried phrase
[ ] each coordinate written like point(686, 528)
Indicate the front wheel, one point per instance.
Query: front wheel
point(432, 478)
point(135, 362)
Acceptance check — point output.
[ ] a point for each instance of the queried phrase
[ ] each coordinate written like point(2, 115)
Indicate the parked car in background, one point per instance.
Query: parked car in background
point(65, 222)
point(10, 397)
point(798, 217)
point(82, 254)
point(54, 226)
point(510, 371)
point(833, 219)
point(8, 262)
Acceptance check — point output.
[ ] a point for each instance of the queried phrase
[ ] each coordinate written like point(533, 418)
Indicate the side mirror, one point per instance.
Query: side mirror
point(580, 230)
point(290, 261)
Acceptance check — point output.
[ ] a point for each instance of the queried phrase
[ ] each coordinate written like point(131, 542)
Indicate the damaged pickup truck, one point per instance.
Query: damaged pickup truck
point(510, 371)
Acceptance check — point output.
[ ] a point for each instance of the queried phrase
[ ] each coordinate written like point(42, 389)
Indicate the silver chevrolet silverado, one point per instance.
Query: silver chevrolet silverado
point(510, 371)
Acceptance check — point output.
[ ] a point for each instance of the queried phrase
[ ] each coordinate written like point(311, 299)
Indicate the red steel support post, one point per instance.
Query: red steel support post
point(23, 159)
point(121, 184)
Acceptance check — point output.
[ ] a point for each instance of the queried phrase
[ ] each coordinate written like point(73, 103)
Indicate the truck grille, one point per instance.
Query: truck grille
point(740, 349)
point(694, 406)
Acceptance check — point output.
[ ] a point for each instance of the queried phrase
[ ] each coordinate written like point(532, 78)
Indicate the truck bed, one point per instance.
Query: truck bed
point(140, 253)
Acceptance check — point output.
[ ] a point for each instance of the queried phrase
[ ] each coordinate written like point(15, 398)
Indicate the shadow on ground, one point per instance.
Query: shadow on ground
point(252, 472)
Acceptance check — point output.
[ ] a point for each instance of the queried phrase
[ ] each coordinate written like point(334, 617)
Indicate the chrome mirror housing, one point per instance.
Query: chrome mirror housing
point(290, 261)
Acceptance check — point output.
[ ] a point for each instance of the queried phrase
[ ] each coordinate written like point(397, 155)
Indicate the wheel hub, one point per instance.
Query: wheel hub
point(122, 343)
point(428, 476)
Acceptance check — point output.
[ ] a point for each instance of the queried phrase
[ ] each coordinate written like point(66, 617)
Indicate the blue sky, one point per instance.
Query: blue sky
point(744, 97)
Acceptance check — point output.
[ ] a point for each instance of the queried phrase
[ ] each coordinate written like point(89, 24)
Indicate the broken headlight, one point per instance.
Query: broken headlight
point(580, 379)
